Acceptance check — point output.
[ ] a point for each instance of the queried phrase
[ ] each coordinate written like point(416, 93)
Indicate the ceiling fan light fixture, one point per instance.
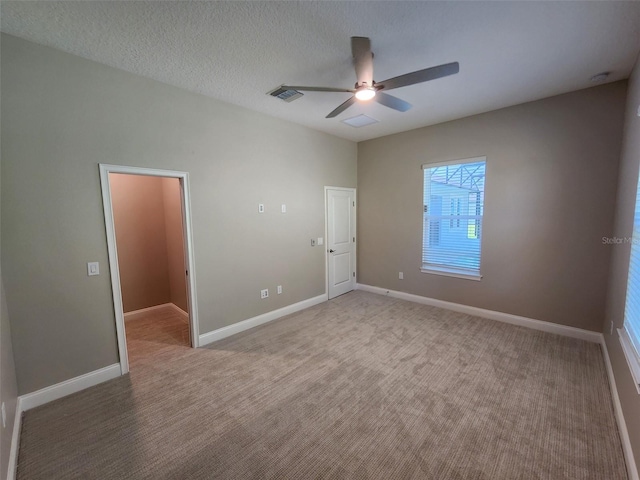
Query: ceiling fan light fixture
point(366, 89)
point(365, 93)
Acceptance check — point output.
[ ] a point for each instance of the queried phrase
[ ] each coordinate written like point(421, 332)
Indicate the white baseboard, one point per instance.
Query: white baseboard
point(128, 315)
point(632, 469)
point(225, 332)
point(73, 385)
point(15, 442)
point(549, 327)
point(564, 330)
point(177, 309)
point(49, 394)
point(54, 392)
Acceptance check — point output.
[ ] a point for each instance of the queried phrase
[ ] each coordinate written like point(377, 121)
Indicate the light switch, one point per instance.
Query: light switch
point(261, 208)
point(284, 208)
point(320, 241)
point(313, 242)
point(93, 268)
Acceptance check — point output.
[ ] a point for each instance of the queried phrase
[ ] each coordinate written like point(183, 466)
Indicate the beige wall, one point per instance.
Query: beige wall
point(147, 213)
point(175, 242)
point(550, 192)
point(62, 116)
point(8, 384)
point(628, 181)
point(138, 215)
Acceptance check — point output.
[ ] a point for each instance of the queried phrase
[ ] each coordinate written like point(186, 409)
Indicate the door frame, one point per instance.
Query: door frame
point(326, 234)
point(183, 177)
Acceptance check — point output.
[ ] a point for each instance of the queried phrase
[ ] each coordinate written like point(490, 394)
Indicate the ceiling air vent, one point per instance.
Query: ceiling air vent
point(360, 121)
point(286, 95)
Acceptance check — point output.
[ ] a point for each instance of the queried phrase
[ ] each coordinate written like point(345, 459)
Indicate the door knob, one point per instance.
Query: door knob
point(331, 251)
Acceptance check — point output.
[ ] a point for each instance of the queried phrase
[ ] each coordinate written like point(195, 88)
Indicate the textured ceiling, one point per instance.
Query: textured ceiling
point(509, 52)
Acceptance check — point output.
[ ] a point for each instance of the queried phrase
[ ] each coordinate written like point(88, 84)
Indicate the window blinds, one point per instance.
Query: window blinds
point(631, 343)
point(453, 208)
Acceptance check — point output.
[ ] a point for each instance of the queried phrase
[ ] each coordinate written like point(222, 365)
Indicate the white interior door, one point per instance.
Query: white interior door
point(341, 240)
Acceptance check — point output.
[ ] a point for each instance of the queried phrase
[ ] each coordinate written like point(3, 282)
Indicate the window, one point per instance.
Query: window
point(630, 333)
point(452, 223)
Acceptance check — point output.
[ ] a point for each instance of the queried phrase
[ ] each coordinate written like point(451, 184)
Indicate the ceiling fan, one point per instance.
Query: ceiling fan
point(367, 89)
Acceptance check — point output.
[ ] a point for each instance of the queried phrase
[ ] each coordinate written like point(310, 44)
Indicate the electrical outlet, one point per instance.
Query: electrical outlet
point(264, 293)
point(401, 275)
point(4, 416)
point(279, 289)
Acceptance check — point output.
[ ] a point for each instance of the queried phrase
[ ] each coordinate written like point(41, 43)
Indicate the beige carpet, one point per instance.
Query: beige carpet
point(150, 333)
point(361, 387)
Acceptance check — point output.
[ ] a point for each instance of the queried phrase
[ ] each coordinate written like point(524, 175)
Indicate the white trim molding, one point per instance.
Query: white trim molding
point(180, 311)
point(129, 315)
point(454, 161)
point(549, 327)
point(224, 332)
point(112, 250)
point(12, 466)
point(632, 469)
point(73, 385)
point(451, 272)
point(49, 394)
point(631, 355)
point(133, 313)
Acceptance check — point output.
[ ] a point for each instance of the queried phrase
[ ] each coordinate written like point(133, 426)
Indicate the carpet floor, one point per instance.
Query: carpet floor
point(360, 387)
point(151, 332)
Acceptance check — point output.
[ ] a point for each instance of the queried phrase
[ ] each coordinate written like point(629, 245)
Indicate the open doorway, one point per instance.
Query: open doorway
point(147, 217)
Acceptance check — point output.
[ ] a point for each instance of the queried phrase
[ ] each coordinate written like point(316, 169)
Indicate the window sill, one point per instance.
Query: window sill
point(631, 355)
point(451, 272)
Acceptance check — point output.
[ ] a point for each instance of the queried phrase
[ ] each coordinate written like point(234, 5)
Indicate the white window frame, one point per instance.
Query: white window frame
point(629, 334)
point(450, 271)
point(631, 354)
